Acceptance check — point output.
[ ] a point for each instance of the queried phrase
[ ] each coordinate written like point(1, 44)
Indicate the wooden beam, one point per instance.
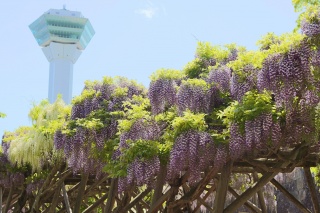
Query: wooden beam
point(96, 204)
point(135, 201)
point(312, 189)
point(66, 198)
point(160, 201)
point(248, 204)
point(250, 192)
point(142, 202)
point(35, 205)
point(21, 202)
point(292, 157)
point(260, 195)
point(205, 197)
point(205, 204)
point(290, 197)
point(222, 188)
point(55, 200)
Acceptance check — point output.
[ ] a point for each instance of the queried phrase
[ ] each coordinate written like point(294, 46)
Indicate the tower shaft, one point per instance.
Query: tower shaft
point(61, 58)
point(60, 80)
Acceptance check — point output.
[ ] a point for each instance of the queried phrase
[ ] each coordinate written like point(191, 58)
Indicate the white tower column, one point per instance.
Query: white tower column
point(61, 58)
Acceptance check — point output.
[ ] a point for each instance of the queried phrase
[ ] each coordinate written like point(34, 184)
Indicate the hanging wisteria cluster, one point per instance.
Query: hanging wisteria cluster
point(162, 89)
point(193, 95)
point(142, 169)
point(92, 124)
point(9, 178)
point(193, 152)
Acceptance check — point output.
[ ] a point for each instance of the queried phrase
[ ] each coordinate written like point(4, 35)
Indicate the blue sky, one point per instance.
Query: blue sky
point(133, 39)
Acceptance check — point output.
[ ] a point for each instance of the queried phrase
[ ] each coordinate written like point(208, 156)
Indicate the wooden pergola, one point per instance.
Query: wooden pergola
point(63, 191)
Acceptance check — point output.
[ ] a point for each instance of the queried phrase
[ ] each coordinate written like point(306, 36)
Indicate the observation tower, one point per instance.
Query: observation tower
point(63, 35)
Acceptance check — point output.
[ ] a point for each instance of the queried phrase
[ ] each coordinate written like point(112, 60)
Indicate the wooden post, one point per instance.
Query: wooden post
point(111, 195)
point(35, 205)
point(1, 199)
point(21, 202)
point(260, 195)
point(312, 189)
point(159, 184)
point(82, 188)
point(66, 199)
point(55, 200)
point(8, 201)
point(222, 188)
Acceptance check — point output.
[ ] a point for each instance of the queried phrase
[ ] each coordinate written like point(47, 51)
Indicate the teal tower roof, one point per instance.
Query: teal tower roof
point(62, 26)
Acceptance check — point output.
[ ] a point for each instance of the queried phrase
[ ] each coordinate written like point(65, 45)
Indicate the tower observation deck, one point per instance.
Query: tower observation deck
point(63, 35)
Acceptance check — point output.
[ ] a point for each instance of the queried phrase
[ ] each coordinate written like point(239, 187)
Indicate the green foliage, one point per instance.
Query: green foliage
point(189, 121)
point(269, 44)
point(220, 53)
point(267, 40)
point(300, 5)
point(309, 11)
point(196, 83)
point(168, 136)
point(141, 149)
point(107, 80)
point(253, 105)
point(195, 68)
point(253, 58)
point(138, 108)
point(86, 94)
point(206, 51)
point(168, 74)
point(37, 176)
point(120, 91)
point(34, 145)
point(286, 42)
point(2, 115)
